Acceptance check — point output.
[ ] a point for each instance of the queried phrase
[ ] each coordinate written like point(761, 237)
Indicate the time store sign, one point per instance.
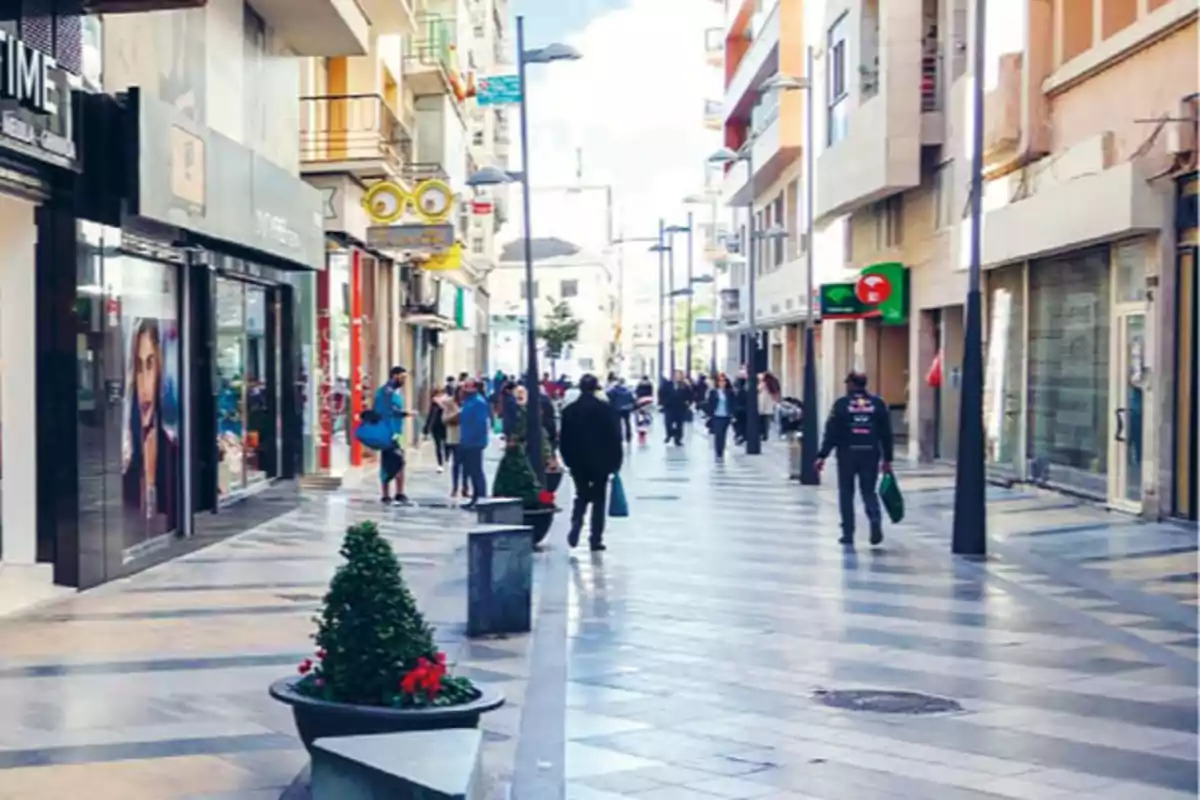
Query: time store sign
point(34, 114)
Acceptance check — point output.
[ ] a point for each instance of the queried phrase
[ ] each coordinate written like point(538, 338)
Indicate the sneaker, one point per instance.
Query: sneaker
point(400, 500)
point(877, 536)
point(598, 547)
point(847, 539)
point(387, 501)
point(573, 535)
point(441, 469)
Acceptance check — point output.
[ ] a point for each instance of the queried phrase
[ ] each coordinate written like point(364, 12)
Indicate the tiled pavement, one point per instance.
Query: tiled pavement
point(155, 686)
point(699, 642)
point(685, 662)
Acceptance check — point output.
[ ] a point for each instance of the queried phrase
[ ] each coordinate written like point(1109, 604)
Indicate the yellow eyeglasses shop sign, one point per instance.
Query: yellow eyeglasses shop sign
point(432, 202)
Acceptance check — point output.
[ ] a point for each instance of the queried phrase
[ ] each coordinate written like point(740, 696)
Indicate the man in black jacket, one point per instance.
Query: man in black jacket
point(590, 443)
point(860, 428)
point(674, 399)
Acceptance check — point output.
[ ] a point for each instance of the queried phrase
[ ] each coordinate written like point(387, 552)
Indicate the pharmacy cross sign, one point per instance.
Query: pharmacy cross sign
point(880, 292)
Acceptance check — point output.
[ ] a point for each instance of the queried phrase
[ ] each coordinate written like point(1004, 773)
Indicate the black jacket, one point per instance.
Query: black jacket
point(644, 389)
point(434, 424)
point(675, 398)
point(549, 419)
point(590, 440)
point(710, 403)
point(858, 422)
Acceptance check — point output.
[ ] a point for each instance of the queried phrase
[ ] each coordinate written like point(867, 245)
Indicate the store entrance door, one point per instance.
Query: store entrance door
point(1128, 396)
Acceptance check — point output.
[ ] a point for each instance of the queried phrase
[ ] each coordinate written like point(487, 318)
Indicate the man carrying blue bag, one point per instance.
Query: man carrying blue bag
point(590, 443)
point(382, 429)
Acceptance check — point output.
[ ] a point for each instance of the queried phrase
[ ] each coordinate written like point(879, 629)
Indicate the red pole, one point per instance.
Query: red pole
point(356, 353)
point(325, 369)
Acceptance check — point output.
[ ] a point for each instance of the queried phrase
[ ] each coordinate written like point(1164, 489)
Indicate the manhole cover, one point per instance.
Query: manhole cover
point(657, 497)
point(883, 702)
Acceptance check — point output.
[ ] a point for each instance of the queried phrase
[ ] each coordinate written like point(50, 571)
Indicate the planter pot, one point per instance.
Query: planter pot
point(317, 719)
point(540, 519)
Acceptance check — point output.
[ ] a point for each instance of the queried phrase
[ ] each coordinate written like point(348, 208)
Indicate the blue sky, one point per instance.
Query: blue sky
point(550, 20)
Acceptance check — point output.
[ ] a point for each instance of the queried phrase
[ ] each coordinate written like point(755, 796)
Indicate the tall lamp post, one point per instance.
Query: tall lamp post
point(671, 230)
point(491, 176)
point(657, 240)
point(661, 248)
point(969, 536)
point(711, 202)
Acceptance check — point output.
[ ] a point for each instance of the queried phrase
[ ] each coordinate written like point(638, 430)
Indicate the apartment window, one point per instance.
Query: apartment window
point(254, 56)
point(477, 245)
point(943, 195)
point(760, 219)
point(889, 221)
point(477, 138)
point(568, 288)
point(525, 289)
point(777, 244)
point(837, 91)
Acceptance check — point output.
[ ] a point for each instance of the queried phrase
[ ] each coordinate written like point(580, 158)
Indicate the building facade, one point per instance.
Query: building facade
point(562, 273)
point(1089, 139)
point(150, 168)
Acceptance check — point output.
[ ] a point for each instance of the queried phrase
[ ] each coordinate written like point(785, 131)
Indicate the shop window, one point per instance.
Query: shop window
point(1004, 363)
point(245, 410)
point(1129, 263)
point(1069, 321)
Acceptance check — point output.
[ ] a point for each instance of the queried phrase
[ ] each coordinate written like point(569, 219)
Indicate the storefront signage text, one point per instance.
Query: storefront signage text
point(48, 141)
point(881, 292)
point(26, 75)
point(421, 238)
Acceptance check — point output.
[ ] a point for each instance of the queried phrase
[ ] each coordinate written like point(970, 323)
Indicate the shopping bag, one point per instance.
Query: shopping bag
point(497, 425)
point(889, 495)
point(618, 505)
point(375, 432)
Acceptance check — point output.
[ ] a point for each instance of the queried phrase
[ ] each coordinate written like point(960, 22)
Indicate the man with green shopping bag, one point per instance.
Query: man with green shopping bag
point(860, 428)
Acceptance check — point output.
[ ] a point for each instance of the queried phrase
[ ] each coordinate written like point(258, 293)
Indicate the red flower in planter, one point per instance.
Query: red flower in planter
point(305, 666)
point(425, 677)
point(321, 654)
point(546, 497)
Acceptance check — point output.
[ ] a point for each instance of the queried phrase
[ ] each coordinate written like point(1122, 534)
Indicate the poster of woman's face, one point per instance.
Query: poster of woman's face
point(150, 427)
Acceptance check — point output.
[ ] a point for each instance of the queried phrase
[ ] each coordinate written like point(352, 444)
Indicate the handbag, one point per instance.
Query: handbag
point(375, 434)
point(889, 495)
point(618, 504)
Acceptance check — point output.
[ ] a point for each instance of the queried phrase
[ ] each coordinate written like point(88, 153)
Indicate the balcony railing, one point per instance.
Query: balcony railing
point(432, 44)
point(424, 171)
point(352, 128)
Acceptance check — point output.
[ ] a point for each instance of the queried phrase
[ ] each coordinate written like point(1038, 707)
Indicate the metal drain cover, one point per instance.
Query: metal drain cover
point(657, 497)
point(886, 702)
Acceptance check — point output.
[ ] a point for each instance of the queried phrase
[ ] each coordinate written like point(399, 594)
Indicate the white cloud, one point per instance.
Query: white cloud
point(634, 105)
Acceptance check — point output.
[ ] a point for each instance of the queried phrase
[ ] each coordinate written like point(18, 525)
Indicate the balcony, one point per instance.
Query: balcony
point(735, 185)
point(760, 61)
point(318, 27)
point(423, 171)
point(429, 55)
point(714, 115)
point(355, 134)
point(714, 47)
point(874, 133)
point(390, 16)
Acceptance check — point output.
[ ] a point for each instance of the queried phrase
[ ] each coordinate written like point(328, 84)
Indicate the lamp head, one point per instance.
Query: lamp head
point(551, 52)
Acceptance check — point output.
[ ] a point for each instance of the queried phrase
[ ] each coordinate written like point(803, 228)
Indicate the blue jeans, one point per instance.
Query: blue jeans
point(471, 459)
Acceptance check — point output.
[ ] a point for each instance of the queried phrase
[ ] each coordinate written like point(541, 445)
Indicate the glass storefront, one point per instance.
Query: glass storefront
point(1004, 364)
point(1069, 346)
point(129, 398)
point(247, 392)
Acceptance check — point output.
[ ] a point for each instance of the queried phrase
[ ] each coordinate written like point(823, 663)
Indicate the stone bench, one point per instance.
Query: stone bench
point(419, 765)
point(499, 579)
point(500, 511)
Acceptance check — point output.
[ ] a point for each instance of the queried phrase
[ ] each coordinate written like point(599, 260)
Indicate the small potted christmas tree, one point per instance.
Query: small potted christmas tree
point(515, 478)
point(376, 668)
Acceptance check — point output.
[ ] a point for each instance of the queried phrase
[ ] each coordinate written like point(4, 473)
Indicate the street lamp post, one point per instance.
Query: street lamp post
point(661, 249)
point(491, 176)
point(969, 536)
point(809, 432)
point(691, 322)
point(671, 294)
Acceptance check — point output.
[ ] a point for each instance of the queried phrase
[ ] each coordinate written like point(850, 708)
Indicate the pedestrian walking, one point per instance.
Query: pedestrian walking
point(592, 451)
point(623, 402)
point(719, 407)
point(768, 400)
point(435, 426)
point(451, 418)
point(389, 405)
point(674, 400)
point(860, 429)
point(473, 422)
